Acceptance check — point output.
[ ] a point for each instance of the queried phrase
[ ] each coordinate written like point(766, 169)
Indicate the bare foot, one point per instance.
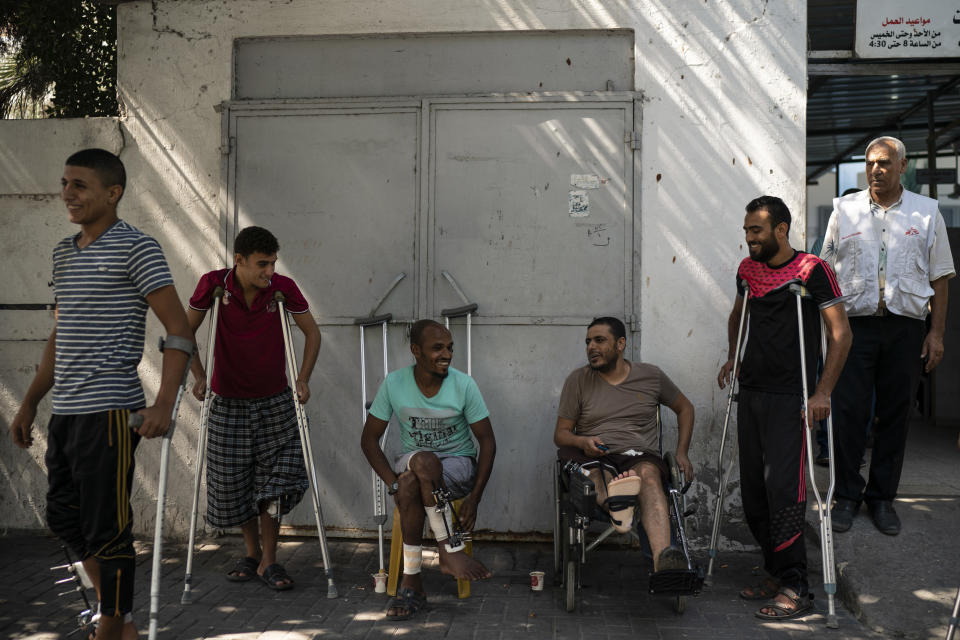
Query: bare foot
point(461, 566)
point(621, 500)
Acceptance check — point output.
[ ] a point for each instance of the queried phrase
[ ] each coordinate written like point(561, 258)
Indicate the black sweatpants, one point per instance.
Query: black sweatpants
point(885, 354)
point(773, 487)
point(90, 463)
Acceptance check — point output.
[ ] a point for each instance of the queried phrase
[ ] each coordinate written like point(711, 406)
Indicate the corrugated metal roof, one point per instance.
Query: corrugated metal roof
point(844, 112)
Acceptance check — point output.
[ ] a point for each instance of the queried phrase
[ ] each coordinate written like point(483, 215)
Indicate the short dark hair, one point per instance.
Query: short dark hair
point(107, 166)
point(851, 190)
point(420, 327)
point(255, 240)
point(779, 213)
point(616, 327)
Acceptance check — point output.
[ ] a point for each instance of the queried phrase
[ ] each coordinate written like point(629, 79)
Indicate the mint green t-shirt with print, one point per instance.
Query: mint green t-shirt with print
point(440, 424)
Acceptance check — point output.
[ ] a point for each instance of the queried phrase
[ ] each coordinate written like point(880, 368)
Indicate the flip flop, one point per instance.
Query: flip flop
point(244, 570)
point(801, 605)
point(622, 499)
point(277, 578)
point(409, 600)
point(767, 588)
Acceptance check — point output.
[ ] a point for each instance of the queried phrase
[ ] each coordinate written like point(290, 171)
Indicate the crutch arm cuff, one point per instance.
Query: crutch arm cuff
point(456, 312)
point(372, 320)
point(179, 343)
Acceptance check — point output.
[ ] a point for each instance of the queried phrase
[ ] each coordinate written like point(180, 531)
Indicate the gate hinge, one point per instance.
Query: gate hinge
point(226, 148)
point(634, 323)
point(633, 137)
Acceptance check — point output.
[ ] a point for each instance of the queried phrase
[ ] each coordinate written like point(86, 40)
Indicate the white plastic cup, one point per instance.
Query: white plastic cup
point(379, 582)
point(536, 580)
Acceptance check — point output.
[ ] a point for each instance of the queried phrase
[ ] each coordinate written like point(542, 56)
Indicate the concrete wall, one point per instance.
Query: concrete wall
point(724, 122)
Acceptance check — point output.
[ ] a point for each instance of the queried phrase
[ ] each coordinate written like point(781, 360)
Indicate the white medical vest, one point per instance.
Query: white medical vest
point(910, 236)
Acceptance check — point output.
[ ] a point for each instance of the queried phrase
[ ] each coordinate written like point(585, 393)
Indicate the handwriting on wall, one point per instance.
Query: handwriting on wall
point(884, 30)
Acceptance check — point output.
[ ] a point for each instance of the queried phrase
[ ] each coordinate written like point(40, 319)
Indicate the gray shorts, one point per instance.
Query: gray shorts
point(459, 472)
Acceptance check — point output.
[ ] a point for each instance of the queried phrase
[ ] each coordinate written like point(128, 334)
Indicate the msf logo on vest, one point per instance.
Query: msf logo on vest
point(912, 231)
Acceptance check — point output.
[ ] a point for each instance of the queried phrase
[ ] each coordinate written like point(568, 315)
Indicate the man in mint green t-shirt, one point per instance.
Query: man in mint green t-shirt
point(440, 411)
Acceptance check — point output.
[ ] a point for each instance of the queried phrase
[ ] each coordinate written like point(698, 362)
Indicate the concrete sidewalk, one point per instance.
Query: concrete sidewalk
point(503, 607)
point(904, 586)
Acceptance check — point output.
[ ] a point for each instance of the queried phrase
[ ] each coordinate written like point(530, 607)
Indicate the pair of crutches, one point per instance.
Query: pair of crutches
point(134, 421)
point(302, 425)
point(379, 492)
point(823, 504)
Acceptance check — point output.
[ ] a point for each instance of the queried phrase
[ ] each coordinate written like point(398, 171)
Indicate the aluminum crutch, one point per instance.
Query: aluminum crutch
point(304, 428)
point(826, 526)
point(725, 473)
point(134, 421)
point(467, 310)
point(954, 619)
point(186, 598)
point(379, 493)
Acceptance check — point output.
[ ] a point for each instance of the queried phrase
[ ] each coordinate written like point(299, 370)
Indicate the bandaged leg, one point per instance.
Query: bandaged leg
point(622, 499)
point(442, 526)
point(412, 558)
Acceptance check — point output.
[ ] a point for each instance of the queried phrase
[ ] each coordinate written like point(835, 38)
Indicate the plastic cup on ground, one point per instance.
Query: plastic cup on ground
point(379, 582)
point(536, 580)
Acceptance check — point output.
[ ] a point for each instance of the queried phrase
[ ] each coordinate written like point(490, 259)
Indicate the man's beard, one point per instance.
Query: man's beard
point(766, 252)
point(605, 365)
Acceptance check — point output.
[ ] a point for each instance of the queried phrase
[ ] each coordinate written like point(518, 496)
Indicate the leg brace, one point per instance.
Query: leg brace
point(442, 525)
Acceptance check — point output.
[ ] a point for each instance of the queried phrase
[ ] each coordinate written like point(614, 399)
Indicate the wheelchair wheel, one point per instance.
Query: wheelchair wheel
point(570, 583)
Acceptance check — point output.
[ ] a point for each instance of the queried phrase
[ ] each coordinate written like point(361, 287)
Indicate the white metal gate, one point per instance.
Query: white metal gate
point(527, 200)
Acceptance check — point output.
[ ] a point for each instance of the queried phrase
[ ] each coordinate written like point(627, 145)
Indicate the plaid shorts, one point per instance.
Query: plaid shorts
point(253, 455)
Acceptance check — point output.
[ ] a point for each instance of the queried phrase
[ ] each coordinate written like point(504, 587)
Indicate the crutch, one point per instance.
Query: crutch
point(954, 619)
point(725, 473)
point(826, 526)
point(134, 421)
point(379, 499)
point(186, 598)
point(467, 310)
point(305, 443)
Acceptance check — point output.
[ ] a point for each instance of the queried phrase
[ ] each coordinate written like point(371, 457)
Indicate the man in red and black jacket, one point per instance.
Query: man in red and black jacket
point(770, 409)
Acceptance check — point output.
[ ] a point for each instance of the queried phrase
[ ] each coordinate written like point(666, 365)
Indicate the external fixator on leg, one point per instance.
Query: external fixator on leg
point(80, 581)
point(444, 520)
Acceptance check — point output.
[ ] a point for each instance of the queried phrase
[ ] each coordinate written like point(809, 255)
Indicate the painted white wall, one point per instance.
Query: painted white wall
point(723, 122)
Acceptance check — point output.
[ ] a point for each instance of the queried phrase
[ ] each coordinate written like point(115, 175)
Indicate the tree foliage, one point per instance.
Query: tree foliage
point(67, 47)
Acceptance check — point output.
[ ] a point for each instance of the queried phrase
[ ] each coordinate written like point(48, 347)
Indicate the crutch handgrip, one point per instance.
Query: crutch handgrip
point(372, 320)
point(279, 297)
point(135, 421)
point(457, 312)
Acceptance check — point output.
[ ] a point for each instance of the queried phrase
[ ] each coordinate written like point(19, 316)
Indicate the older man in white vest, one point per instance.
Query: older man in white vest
point(890, 252)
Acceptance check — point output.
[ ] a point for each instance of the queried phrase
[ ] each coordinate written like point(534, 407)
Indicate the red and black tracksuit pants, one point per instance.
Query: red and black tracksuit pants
point(773, 487)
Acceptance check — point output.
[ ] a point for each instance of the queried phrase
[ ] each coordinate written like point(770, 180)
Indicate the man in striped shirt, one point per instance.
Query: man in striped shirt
point(104, 278)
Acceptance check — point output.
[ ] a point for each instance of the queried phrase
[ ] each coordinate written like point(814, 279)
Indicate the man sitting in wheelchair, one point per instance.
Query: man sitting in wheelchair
point(607, 426)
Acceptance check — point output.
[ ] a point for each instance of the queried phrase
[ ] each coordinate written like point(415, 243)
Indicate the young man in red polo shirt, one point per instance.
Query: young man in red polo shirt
point(255, 469)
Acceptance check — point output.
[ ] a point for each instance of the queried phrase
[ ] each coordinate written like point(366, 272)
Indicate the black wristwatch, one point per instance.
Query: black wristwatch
point(393, 487)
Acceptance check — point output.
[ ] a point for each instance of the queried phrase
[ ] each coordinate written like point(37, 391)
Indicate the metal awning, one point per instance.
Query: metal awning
point(850, 101)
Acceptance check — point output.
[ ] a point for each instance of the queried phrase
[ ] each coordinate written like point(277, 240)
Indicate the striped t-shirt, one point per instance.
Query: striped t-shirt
point(101, 294)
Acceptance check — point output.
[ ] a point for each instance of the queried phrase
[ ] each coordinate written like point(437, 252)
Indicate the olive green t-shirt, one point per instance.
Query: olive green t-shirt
point(622, 416)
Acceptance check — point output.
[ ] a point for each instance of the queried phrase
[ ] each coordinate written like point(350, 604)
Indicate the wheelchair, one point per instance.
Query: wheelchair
point(577, 508)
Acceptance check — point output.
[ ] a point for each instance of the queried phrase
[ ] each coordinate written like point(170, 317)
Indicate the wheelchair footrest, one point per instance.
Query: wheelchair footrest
point(677, 582)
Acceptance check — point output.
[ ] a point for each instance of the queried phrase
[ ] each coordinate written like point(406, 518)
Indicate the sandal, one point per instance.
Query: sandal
point(277, 578)
point(408, 600)
point(767, 588)
point(780, 611)
point(244, 570)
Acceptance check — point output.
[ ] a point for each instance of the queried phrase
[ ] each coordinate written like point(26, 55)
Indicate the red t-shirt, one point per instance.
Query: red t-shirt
point(248, 358)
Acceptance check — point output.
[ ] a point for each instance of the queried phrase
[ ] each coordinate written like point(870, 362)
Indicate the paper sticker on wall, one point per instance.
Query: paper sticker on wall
point(584, 181)
point(579, 204)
